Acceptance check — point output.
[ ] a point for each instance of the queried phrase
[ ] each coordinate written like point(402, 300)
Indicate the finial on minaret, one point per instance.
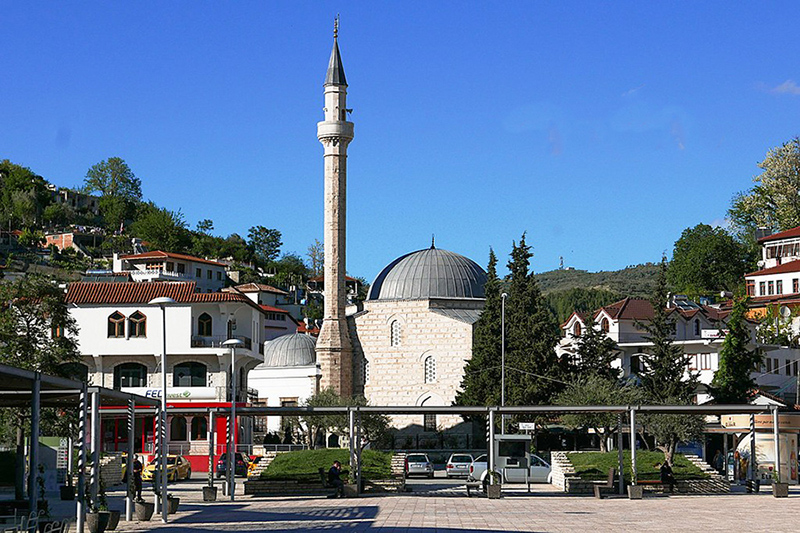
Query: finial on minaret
point(433, 241)
point(336, 27)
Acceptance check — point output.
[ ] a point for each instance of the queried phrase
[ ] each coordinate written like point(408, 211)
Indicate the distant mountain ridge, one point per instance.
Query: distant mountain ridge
point(637, 280)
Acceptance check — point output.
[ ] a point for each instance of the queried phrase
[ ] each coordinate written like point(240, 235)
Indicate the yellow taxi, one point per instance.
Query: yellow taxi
point(178, 468)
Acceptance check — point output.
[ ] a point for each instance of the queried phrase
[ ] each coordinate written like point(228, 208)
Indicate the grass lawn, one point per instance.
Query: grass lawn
point(595, 465)
point(304, 465)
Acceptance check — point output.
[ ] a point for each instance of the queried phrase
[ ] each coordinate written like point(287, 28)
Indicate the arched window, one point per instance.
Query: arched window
point(76, 371)
point(430, 369)
point(697, 327)
point(204, 325)
point(189, 375)
point(576, 329)
point(116, 325)
point(130, 375)
point(395, 333)
point(177, 428)
point(604, 325)
point(199, 428)
point(137, 325)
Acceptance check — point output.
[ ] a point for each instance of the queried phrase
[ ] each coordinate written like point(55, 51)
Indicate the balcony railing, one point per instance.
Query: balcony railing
point(149, 275)
point(215, 341)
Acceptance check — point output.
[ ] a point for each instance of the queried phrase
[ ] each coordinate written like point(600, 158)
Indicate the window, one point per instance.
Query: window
point(219, 276)
point(751, 288)
point(189, 375)
point(177, 428)
point(429, 422)
point(762, 288)
point(204, 325)
point(130, 375)
point(769, 365)
point(697, 327)
point(209, 274)
point(280, 317)
point(395, 333)
point(181, 268)
point(154, 266)
point(794, 367)
point(170, 266)
point(635, 365)
point(692, 361)
point(779, 287)
point(604, 325)
point(576, 329)
point(430, 369)
point(795, 285)
point(198, 273)
point(705, 361)
point(199, 428)
point(116, 325)
point(137, 325)
point(288, 402)
point(776, 367)
point(770, 287)
point(76, 371)
point(56, 331)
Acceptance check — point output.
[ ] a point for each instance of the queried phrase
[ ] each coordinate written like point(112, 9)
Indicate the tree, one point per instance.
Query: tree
point(733, 380)
point(597, 390)
point(161, 228)
point(23, 195)
point(774, 201)
point(777, 329)
point(120, 190)
point(596, 351)
point(58, 214)
point(665, 377)
point(316, 258)
point(265, 242)
point(205, 226)
point(373, 426)
point(706, 260)
point(289, 270)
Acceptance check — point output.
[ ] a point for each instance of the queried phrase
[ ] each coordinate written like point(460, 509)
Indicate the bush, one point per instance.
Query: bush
point(304, 465)
point(594, 466)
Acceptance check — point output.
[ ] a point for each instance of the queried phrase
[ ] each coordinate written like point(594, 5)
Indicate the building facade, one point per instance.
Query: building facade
point(207, 275)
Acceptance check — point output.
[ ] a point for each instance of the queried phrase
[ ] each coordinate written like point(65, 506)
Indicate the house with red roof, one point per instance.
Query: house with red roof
point(207, 274)
point(276, 305)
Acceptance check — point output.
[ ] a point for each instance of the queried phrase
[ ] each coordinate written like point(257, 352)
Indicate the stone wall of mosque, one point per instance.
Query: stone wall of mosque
point(405, 353)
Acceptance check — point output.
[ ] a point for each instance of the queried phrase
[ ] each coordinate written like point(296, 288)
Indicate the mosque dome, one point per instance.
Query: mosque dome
point(429, 273)
point(296, 349)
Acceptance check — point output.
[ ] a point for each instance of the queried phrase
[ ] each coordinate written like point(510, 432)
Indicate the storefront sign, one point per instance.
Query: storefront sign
point(186, 394)
point(786, 422)
point(713, 333)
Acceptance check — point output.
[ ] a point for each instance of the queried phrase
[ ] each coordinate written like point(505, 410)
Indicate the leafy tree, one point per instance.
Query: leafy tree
point(374, 426)
point(597, 390)
point(665, 377)
point(31, 238)
point(120, 190)
point(596, 351)
point(58, 214)
point(774, 201)
point(205, 226)
point(265, 242)
point(23, 195)
point(706, 260)
point(161, 228)
point(777, 329)
point(733, 379)
point(583, 300)
point(289, 270)
point(316, 258)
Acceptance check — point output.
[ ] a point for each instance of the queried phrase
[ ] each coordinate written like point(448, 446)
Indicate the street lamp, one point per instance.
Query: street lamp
point(163, 302)
point(232, 344)
point(503, 361)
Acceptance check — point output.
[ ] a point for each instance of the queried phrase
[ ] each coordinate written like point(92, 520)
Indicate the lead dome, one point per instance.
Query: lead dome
point(429, 273)
point(296, 349)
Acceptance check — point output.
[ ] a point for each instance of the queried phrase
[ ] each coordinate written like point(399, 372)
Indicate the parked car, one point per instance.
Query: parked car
point(418, 464)
point(539, 471)
point(178, 468)
point(241, 464)
point(458, 465)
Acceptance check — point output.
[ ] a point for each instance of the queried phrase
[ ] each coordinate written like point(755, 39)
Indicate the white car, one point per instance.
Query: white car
point(539, 471)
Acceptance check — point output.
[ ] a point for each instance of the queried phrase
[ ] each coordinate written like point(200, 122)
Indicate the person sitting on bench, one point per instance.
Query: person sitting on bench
point(667, 477)
point(335, 481)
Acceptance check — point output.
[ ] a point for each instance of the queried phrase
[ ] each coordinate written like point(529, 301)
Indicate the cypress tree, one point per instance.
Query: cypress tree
point(596, 350)
point(733, 380)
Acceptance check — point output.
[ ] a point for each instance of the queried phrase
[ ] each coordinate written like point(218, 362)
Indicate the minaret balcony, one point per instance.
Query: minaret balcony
point(339, 129)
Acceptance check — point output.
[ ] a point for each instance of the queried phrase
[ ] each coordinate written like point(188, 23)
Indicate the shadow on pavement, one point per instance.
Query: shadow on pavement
point(236, 514)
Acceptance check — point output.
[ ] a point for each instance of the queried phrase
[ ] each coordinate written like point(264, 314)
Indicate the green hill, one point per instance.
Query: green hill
point(637, 280)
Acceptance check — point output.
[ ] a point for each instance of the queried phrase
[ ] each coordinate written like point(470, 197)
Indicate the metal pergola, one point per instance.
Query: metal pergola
point(26, 388)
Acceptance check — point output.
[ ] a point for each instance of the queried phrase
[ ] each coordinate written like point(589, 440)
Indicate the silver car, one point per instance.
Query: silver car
point(458, 465)
point(418, 464)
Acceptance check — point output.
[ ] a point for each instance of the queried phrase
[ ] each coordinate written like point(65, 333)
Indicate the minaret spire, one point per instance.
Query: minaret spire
point(334, 349)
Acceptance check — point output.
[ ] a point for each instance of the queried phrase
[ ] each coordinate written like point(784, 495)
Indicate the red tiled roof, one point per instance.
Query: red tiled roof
point(259, 287)
point(641, 309)
point(271, 309)
point(99, 292)
point(313, 330)
point(158, 254)
point(791, 266)
point(794, 232)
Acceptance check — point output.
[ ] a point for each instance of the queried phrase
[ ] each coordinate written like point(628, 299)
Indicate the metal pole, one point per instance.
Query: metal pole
point(358, 453)
point(491, 447)
point(80, 508)
point(751, 464)
point(620, 465)
point(163, 417)
point(352, 435)
point(131, 456)
point(95, 447)
point(33, 485)
point(211, 432)
point(776, 433)
point(232, 455)
point(503, 361)
point(158, 458)
point(633, 446)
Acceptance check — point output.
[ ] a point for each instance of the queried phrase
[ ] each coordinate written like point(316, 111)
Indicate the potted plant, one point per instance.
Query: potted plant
point(209, 493)
point(779, 490)
point(172, 504)
point(635, 492)
point(96, 520)
point(493, 484)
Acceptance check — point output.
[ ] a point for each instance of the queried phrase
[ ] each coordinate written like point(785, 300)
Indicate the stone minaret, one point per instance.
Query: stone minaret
point(334, 350)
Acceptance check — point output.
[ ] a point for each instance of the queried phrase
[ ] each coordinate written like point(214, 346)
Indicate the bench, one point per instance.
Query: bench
point(609, 484)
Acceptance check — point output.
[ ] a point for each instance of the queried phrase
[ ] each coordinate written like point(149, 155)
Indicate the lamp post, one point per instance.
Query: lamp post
point(163, 302)
point(232, 344)
point(503, 361)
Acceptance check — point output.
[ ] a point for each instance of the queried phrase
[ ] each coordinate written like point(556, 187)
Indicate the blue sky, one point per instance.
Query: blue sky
point(602, 129)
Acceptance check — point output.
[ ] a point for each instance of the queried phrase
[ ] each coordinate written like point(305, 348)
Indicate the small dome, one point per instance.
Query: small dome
point(296, 349)
point(429, 273)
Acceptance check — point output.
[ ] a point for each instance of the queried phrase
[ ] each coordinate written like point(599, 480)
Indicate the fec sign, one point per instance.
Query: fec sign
point(186, 394)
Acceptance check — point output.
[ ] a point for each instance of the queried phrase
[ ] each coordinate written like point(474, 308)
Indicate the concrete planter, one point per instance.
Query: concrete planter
point(172, 505)
point(635, 492)
point(780, 490)
point(97, 522)
point(209, 494)
point(493, 491)
point(144, 511)
point(113, 520)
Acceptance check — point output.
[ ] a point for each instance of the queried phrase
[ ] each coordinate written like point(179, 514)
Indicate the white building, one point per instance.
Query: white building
point(208, 275)
point(277, 305)
point(120, 338)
